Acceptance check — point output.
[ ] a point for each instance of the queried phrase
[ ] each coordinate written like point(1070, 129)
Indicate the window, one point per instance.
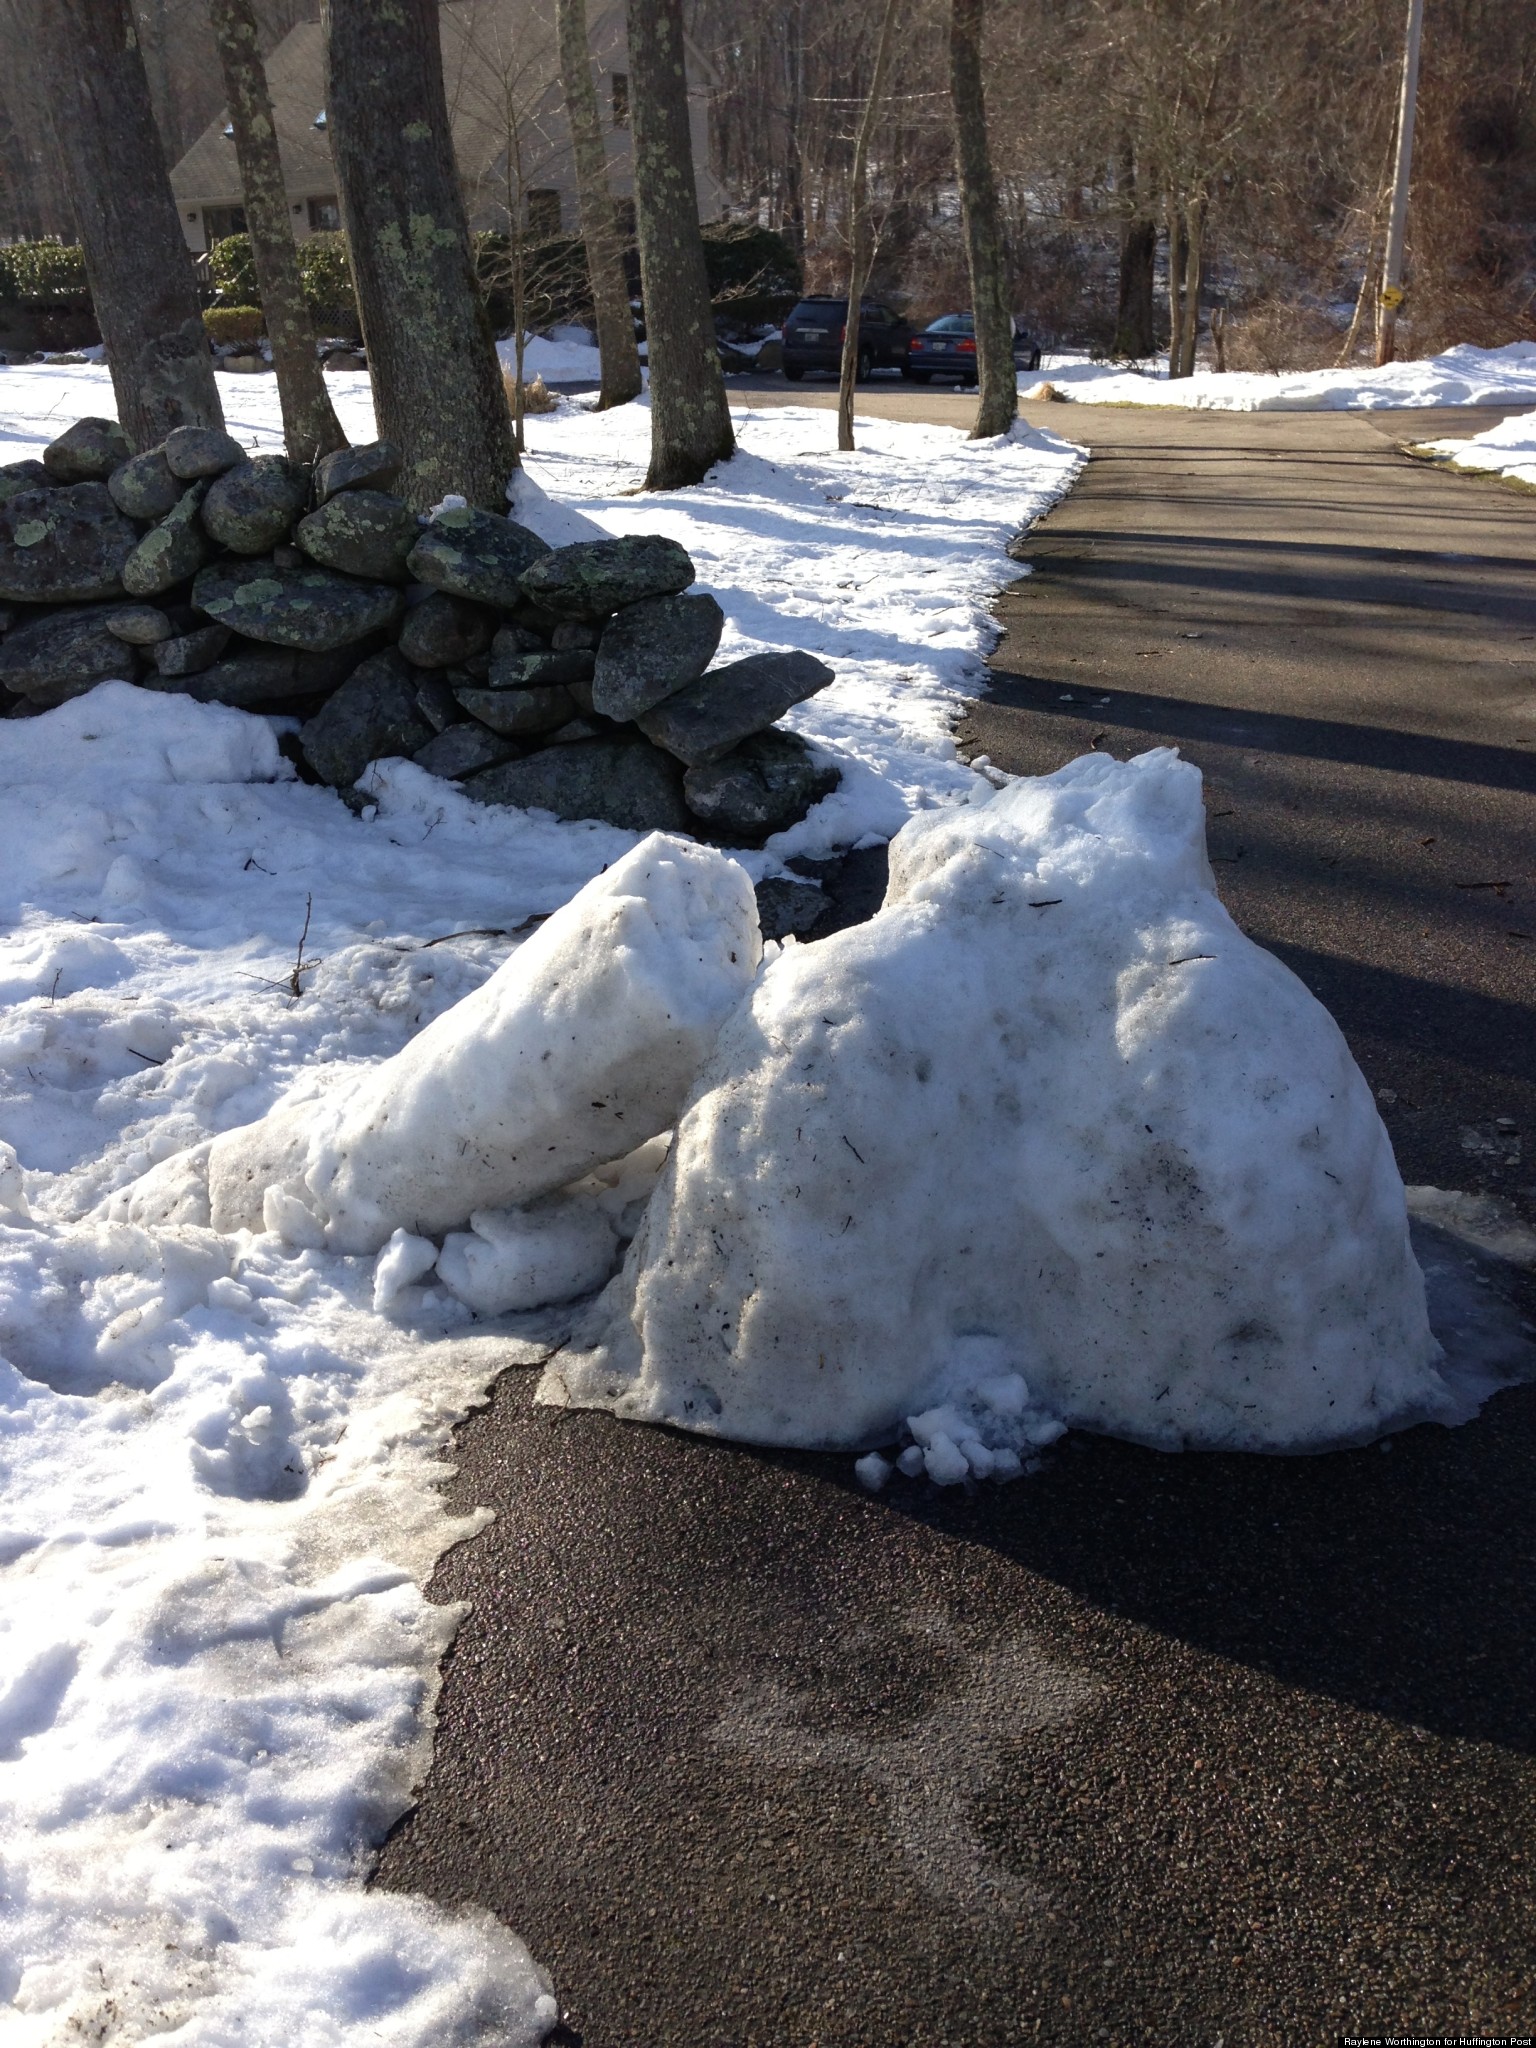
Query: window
point(221, 221)
point(542, 211)
point(324, 216)
point(621, 99)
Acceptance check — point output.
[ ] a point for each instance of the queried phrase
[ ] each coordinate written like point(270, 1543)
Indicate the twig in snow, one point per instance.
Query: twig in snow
point(144, 1056)
point(53, 993)
point(853, 1148)
point(301, 966)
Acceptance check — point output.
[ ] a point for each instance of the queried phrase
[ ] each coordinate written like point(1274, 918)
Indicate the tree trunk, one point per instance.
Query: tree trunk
point(137, 261)
point(996, 379)
point(861, 240)
point(690, 420)
point(1194, 272)
point(1134, 335)
point(310, 426)
point(599, 222)
point(437, 388)
point(1175, 289)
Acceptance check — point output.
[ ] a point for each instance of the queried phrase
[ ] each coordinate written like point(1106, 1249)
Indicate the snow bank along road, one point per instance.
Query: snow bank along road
point(1146, 1749)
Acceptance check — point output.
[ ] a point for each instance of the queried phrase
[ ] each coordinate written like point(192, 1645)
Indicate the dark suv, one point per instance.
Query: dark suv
point(813, 338)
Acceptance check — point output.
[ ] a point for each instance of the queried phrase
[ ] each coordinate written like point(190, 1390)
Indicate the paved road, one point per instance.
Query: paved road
point(1146, 1749)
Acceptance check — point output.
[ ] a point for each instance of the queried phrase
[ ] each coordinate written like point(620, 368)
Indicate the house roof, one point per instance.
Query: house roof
point(209, 174)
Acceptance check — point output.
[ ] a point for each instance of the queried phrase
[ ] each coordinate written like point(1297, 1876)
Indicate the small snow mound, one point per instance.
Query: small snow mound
point(118, 734)
point(1049, 1142)
point(519, 1259)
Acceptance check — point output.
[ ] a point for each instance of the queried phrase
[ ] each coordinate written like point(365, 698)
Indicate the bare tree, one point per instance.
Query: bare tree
point(991, 308)
point(617, 349)
point(437, 386)
point(861, 229)
point(690, 420)
point(136, 259)
point(310, 426)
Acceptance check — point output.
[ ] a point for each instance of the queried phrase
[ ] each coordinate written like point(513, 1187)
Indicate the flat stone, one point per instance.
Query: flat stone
point(580, 729)
point(144, 487)
point(310, 608)
point(187, 654)
point(651, 650)
point(763, 786)
point(172, 551)
point(618, 781)
point(785, 907)
point(198, 452)
point(52, 659)
point(464, 750)
point(87, 452)
point(365, 533)
point(700, 723)
point(372, 717)
point(444, 631)
point(519, 713)
point(63, 546)
point(475, 554)
point(141, 625)
point(250, 675)
point(371, 466)
point(539, 669)
point(22, 476)
point(595, 577)
point(251, 508)
point(435, 699)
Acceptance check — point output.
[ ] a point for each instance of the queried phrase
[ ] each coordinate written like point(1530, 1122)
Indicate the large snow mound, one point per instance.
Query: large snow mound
point(1507, 450)
point(1462, 375)
point(1047, 1141)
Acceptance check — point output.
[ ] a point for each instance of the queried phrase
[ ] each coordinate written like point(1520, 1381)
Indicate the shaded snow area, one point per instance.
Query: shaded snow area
point(1507, 450)
point(567, 356)
point(1461, 376)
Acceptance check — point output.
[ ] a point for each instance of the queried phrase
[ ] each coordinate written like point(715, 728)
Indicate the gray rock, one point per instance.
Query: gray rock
point(580, 729)
point(172, 551)
point(141, 625)
point(581, 694)
point(365, 533)
point(534, 619)
point(444, 631)
point(144, 487)
point(250, 675)
point(22, 476)
point(728, 705)
point(310, 608)
point(372, 717)
point(198, 452)
point(435, 699)
point(651, 650)
point(251, 508)
point(190, 653)
point(575, 633)
point(87, 452)
point(516, 639)
point(784, 906)
point(538, 670)
point(595, 577)
point(464, 750)
point(63, 546)
point(8, 617)
point(619, 781)
point(475, 554)
point(286, 557)
point(519, 714)
point(63, 655)
point(763, 786)
point(371, 466)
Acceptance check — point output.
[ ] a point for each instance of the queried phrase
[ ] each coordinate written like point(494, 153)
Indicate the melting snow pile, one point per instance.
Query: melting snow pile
point(1047, 1142)
point(1507, 450)
point(1463, 375)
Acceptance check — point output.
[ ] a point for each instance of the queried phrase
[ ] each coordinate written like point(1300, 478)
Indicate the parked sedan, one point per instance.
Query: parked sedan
point(947, 348)
point(813, 338)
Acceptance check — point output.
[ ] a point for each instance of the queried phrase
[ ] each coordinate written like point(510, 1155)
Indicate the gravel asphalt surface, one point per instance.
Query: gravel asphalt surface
point(1144, 1749)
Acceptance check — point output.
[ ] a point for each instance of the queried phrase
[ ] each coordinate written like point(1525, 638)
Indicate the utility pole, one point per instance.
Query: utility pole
point(1392, 268)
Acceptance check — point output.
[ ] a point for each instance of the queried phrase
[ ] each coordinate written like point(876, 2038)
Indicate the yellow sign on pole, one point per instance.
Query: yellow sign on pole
point(1392, 296)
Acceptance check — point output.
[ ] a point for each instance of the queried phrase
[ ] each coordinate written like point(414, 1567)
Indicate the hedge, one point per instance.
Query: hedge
point(234, 323)
point(323, 271)
point(43, 274)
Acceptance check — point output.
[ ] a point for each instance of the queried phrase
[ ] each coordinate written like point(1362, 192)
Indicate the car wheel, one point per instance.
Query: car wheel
point(794, 372)
point(862, 367)
point(920, 376)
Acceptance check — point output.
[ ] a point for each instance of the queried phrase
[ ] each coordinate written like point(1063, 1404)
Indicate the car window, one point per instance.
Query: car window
point(877, 316)
point(952, 323)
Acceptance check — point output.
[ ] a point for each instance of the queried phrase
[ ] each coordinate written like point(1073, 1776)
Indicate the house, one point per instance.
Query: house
point(507, 109)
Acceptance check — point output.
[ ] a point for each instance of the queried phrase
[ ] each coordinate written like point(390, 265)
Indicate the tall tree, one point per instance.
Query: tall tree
point(997, 381)
point(310, 426)
point(137, 261)
point(690, 420)
point(437, 388)
point(861, 235)
point(620, 356)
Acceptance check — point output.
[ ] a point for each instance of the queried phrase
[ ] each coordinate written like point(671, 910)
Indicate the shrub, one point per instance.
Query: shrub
point(537, 396)
point(42, 274)
point(555, 287)
point(326, 275)
point(233, 270)
point(753, 272)
point(234, 323)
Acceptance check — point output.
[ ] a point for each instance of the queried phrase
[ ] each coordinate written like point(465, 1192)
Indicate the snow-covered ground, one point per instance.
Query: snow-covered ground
point(1507, 450)
point(218, 1462)
point(567, 355)
point(1461, 376)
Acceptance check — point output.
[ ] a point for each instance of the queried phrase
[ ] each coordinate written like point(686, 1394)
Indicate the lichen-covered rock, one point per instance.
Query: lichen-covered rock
point(195, 453)
point(653, 649)
point(540, 668)
point(475, 554)
point(141, 625)
point(253, 506)
point(595, 577)
point(249, 675)
point(785, 906)
point(518, 714)
point(22, 476)
point(444, 631)
point(52, 659)
point(371, 466)
point(372, 717)
point(464, 750)
point(704, 721)
point(435, 699)
point(763, 786)
point(87, 452)
point(172, 551)
point(364, 533)
point(310, 608)
point(144, 487)
point(64, 546)
point(622, 782)
point(188, 654)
